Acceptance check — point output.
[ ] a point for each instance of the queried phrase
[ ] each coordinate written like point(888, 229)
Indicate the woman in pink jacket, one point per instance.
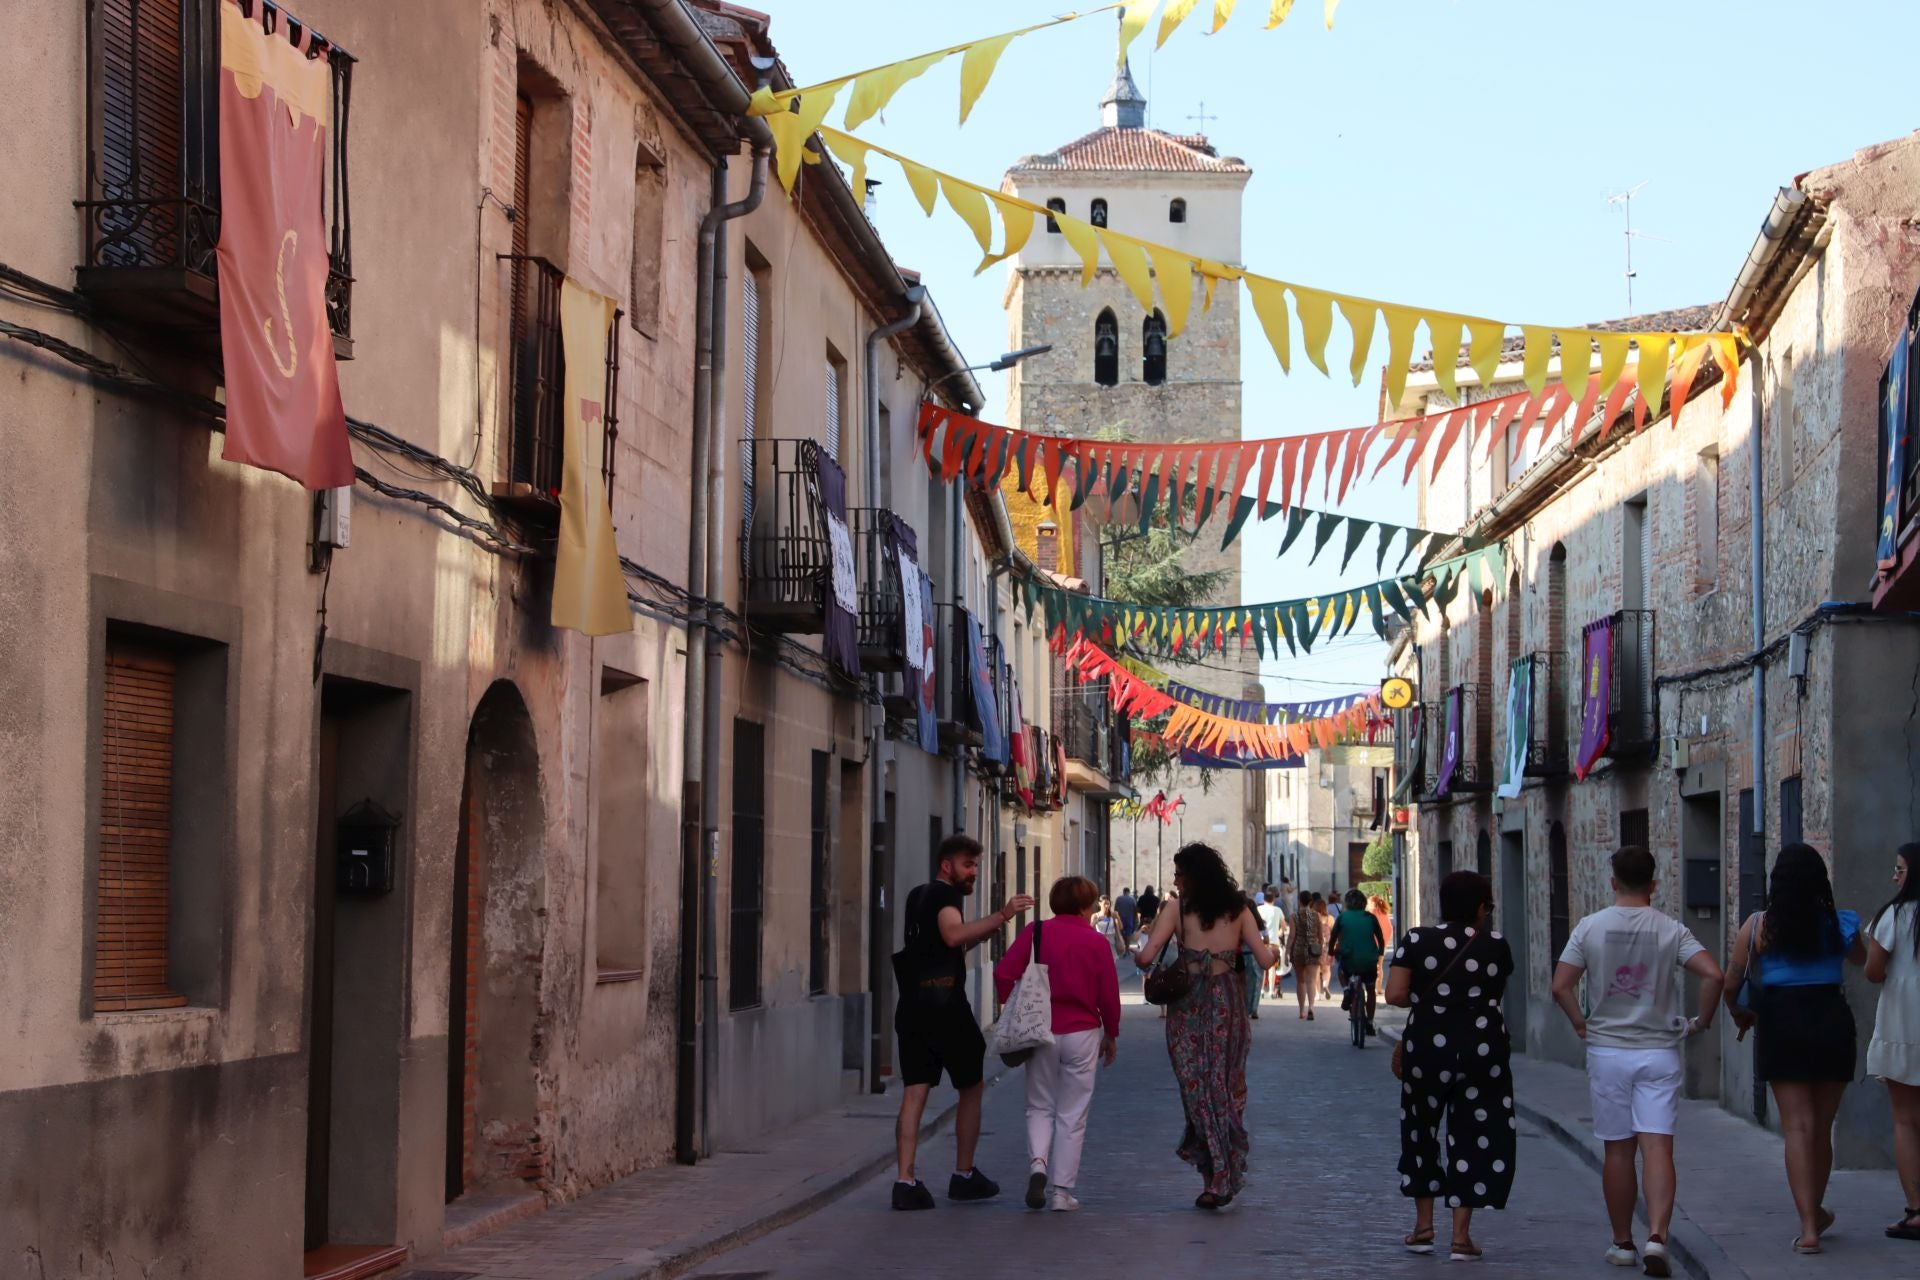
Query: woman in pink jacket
point(1086, 1029)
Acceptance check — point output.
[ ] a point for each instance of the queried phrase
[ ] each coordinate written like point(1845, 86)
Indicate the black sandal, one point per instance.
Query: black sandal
point(1906, 1228)
point(1206, 1200)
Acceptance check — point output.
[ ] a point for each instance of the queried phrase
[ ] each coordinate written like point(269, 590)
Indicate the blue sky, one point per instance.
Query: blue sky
point(1451, 153)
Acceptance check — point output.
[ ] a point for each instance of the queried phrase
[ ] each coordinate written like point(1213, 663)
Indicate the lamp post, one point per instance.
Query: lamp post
point(1000, 365)
point(1180, 814)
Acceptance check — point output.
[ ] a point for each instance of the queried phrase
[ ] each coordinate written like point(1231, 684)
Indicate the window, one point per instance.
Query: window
point(649, 238)
point(1153, 350)
point(1097, 215)
point(161, 834)
point(836, 380)
point(1633, 553)
point(151, 206)
point(1106, 349)
point(819, 908)
point(1176, 210)
point(1635, 829)
point(746, 888)
point(1559, 890)
point(1706, 520)
point(131, 913)
point(1783, 425)
point(1791, 826)
point(1484, 682)
point(755, 292)
point(1557, 646)
point(621, 808)
point(1483, 855)
point(1446, 859)
point(1055, 205)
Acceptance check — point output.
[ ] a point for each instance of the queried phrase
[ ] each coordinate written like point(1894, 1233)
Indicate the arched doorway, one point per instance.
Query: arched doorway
point(493, 999)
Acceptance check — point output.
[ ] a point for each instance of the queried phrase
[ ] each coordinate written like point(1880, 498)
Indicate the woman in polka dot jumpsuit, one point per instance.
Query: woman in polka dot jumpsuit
point(1452, 976)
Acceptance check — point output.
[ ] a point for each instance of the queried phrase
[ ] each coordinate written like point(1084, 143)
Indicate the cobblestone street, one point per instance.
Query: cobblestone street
point(1323, 1200)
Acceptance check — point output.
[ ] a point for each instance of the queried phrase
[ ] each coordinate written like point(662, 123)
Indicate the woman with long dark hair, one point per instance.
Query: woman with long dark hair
point(1208, 1031)
point(1795, 951)
point(1893, 961)
point(1457, 1064)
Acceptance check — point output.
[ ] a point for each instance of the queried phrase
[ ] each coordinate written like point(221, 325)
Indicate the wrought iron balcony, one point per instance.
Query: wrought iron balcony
point(1547, 733)
point(789, 554)
point(953, 685)
point(1084, 722)
point(1633, 730)
point(883, 640)
point(1473, 770)
point(151, 209)
point(533, 449)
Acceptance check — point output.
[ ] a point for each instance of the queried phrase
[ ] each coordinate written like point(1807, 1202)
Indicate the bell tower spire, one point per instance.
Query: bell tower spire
point(1123, 107)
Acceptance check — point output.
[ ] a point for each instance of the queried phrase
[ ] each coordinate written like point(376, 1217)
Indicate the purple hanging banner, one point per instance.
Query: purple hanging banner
point(926, 674)
point(842, 638)
point(1596, 687)
point(1450, 750)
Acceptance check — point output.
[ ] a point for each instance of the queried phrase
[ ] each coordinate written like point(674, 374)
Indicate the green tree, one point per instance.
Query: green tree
point(1377, 863)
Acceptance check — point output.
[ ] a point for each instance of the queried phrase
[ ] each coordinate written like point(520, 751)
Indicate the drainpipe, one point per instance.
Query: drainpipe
point(1787, 206)
point(699, 833)
point(878, 754)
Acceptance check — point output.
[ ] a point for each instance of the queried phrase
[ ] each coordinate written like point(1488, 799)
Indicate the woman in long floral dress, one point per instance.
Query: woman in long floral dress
point(1208, 1032)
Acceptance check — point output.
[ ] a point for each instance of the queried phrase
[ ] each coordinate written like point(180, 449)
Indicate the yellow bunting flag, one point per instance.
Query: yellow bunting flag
point(1138, 262)
point(589, 593)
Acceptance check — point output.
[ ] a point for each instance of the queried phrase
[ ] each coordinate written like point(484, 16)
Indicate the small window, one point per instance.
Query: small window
point(1177, 210)
point(746, 913)
point(1106, 349)
point(649, 239)
point(1153, 350)
point(819, 906)
point(1055, 205)
point(1559, 890)
point(1706, 520)
point(836, 400)
point(622, 804)
point(1098, 216)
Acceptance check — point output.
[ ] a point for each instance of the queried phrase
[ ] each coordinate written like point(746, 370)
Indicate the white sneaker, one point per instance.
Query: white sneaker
point(1622, 1255)
point(1059, 1201)
point(1654, 1256)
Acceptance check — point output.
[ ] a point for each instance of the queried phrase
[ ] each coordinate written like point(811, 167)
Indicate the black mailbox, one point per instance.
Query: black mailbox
point(1703, 888)
point(363, 850)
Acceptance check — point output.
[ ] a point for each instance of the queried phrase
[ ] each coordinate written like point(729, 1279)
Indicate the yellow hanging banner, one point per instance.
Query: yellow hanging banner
point(589, 592)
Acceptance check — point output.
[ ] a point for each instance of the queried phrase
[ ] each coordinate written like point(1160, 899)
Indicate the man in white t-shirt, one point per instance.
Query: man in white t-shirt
point(1632, 955)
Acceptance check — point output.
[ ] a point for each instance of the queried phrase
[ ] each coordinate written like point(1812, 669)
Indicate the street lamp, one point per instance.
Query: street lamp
point(1000, 365)
point(1180, 813)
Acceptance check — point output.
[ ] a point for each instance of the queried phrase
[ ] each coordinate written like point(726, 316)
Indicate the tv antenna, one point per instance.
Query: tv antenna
point(1625, 200)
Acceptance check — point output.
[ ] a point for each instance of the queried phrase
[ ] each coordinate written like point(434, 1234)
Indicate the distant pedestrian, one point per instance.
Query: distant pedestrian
point(1377, 906)
point(1308, 952)
point(1208, 1033)
point(1456, 1059)
point(1127, 907)
point(1149, 907)
point(1107, 924)
point(1273, 927)
point(1792, 955)
point(1329, 912)
point(937, 1027)
point(1086, 1031)
point(1253, 973)
point(1893, 960)
point(1632, 956)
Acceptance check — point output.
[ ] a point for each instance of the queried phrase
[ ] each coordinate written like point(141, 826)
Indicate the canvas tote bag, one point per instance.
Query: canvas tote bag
point(1026, 1023)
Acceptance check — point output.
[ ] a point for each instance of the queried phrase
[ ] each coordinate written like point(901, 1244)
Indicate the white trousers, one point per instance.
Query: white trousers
point(1059, 1092)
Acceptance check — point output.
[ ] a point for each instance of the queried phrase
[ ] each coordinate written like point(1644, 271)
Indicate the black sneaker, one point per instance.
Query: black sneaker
point(1037, 1189)
point(912, 1195)
point(974, 1186)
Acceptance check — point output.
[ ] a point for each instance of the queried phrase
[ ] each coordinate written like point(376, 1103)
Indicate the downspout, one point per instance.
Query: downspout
point(699, 835)
point(879, 944)
point(1780, 218)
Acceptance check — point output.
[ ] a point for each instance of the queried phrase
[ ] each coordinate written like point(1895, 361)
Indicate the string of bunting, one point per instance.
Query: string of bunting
point(955, 445)
point(1197, 729)
point(1163, 629)
point(875, 87)
point(1239, 709)
point(1144, 265)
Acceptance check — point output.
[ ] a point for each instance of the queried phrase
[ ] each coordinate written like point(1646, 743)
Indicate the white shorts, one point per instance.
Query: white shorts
point(1634, 1091)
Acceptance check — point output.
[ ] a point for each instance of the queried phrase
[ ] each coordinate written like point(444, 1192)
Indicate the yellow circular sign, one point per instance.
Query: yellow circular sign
point(1396, 693)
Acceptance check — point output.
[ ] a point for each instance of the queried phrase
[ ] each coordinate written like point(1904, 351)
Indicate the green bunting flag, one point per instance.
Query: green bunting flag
point(1326, 523)
point(1296, 623)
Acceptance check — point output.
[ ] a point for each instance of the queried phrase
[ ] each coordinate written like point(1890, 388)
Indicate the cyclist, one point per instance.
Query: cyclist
point(1357, 945)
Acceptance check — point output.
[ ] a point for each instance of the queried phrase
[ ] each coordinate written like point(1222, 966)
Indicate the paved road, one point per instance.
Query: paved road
point(1324, 1198)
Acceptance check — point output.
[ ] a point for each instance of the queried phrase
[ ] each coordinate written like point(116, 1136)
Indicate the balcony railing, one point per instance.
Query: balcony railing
point(1473, 773)
point(1083, 721)
point(953, 684)
point(1633, 731)
point(789, 555)
point(1547, 734)
point(151, 211)
point(533, 447)
point(882, 607)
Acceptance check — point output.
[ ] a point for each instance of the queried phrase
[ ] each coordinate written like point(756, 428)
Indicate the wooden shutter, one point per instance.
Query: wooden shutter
point(136, 831)
point(138, 53)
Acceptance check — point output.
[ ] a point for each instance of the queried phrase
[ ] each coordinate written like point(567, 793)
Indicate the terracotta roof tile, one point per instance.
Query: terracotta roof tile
point(1111, 148)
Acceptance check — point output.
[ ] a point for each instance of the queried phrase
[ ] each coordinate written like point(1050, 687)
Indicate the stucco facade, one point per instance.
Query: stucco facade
point(1663, 521)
